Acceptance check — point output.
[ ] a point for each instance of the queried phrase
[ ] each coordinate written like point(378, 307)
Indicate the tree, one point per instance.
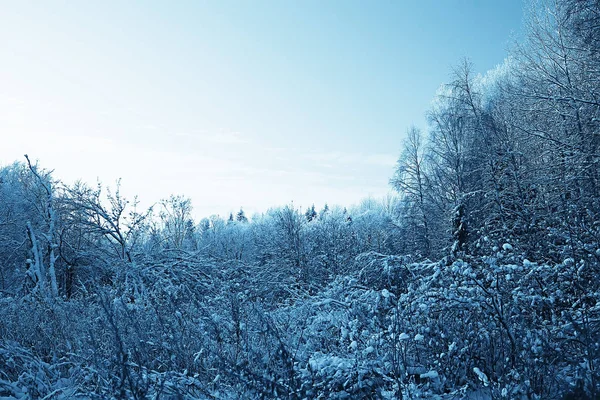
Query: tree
point(177, 223)
point(310, 213)
point(15, 211)
point(46, 244)
point(411, 181)
point(241, 217)
point(119, 225)
point(324, 211)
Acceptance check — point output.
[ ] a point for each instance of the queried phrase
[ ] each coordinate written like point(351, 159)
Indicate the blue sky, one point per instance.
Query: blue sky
point(233, 103)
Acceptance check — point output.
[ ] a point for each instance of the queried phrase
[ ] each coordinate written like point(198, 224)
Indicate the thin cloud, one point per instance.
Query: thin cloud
point(229, 138)
point(336, 158)
point(381, 159)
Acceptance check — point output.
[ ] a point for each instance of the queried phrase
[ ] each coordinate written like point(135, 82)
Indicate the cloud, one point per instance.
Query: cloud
point(224, 137)
point(381, 159)
point(336, 158)
point(11, 100)
point(227, 138)
point(148, 127)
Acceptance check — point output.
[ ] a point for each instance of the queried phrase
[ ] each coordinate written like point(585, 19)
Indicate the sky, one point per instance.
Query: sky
point(233, 104)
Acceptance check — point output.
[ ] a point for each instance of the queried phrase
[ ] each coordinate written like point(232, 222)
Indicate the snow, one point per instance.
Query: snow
point(528, 264)
point(430, 375)
point(482, 377)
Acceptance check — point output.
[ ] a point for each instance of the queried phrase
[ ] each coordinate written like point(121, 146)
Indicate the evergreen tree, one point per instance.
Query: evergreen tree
point(311, 214)
point(240, 216)
point(324, 211)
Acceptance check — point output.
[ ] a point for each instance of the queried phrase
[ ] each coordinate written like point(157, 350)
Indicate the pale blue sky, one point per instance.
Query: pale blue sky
point(241, 103)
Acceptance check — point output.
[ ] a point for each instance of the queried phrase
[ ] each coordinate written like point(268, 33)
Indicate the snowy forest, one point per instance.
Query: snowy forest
point(479, 279)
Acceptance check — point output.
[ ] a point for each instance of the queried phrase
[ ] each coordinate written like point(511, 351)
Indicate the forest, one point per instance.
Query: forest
point(478, 280)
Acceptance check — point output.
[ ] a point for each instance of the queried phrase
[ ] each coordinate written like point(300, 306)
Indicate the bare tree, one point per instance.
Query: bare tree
point(176, 217)
point(411, 181)
point(49, 244)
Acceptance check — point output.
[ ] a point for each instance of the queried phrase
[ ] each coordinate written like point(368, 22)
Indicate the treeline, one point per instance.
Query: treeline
point(514, 154)
point(479, 279)
point(68, 241)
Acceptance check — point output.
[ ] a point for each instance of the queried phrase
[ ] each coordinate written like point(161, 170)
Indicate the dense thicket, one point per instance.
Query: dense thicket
point(479, 279)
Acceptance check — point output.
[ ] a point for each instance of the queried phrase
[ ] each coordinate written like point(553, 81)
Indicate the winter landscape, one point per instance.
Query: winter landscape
point(477, 277)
